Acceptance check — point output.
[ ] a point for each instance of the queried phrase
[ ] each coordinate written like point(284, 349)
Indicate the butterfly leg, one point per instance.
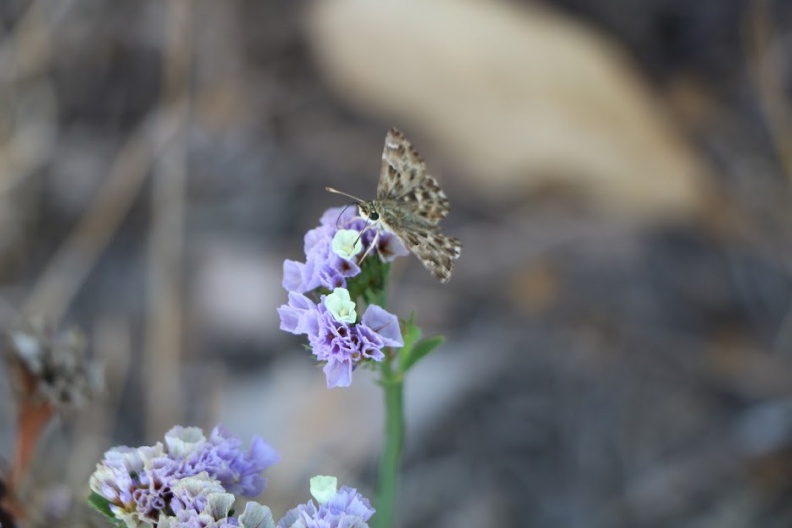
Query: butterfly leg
point(373, 242)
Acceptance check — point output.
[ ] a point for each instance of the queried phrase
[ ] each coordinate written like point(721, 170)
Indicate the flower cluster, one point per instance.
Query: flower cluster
point(200, 501)
point(187, 475)
point(320, 305)
point(192, 481)
point(331, 251)
point(343, 507)
point(335, 336)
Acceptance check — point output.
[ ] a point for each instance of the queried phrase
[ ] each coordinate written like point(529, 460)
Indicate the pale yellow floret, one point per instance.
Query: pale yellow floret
point(346, 243)
point(341, 306)
point(323, 488)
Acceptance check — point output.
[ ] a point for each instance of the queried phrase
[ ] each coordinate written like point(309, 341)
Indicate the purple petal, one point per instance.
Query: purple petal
point(262, 452)
point(290, 319)
point(317, 240)
point(352, 503)
point(293, 275)
point(391, 247)
point(338, 373)
point(385, 324)
point(298, 317)
point(330, 278)
point(339, 217)
point(311, 271)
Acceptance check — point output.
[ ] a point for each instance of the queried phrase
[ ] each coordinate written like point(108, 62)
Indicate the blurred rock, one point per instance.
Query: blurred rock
point(237, 292)
point(516, 98)
point(765, 428)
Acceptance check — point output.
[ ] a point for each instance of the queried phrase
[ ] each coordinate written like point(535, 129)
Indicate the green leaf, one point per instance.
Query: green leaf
point(101, 504)
point(420, 350)
point(411, 334)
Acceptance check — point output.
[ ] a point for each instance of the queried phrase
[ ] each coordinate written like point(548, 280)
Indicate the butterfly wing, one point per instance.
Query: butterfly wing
point(412, 204)
point(403, 179)
point(436, 251)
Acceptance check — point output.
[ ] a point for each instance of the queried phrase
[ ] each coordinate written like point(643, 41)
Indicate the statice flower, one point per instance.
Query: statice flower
point(335, 335)
point(330, 259)
point(334, 508)
point(138, 484)
point(201, 502)
point(238, 471)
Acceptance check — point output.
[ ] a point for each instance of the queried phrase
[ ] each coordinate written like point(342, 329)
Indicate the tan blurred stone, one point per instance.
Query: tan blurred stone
point(515, 97)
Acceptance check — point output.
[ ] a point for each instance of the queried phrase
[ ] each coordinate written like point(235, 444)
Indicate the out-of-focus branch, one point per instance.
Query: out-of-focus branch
point(776, 107)
point(65, 273)
point(166, 238)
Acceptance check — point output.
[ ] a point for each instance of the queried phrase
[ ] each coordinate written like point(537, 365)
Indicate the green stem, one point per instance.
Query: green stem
point(394, 439)
point(375, 292)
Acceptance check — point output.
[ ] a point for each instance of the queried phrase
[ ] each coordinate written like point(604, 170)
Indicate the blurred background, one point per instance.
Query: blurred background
point(619, 323)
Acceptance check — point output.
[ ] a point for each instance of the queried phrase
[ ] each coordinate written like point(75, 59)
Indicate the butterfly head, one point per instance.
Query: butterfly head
point(368, 210)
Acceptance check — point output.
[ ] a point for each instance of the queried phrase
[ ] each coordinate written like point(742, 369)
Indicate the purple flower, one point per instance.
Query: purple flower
point(201, 502)
point(139, 484)
point(388, 245)
point(135, 482)
point(343, 508)
point(341, 345)
point(323, 267)
point(222, 458)
point(191, 496)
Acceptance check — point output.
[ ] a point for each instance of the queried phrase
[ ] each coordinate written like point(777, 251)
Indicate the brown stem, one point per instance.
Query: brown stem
point(33, 418)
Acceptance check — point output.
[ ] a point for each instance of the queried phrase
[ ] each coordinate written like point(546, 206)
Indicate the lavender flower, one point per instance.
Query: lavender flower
point(222, 457)
point(343, 508)
point(140, 485)
point(135, 482)
point(330, 260)
point(201, 502)
point(388, 245)
point(197, 498)
point(334, 339)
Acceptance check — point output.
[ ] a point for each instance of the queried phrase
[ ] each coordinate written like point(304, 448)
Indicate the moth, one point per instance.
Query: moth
point(410, 204)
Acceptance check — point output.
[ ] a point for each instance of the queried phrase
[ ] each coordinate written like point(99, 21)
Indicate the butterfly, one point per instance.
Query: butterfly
point(410, 204)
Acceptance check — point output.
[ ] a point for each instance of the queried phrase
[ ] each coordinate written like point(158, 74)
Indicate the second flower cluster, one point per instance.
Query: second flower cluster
point(337, 254)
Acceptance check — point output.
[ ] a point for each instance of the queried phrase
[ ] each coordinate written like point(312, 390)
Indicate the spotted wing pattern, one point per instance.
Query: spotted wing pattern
point(410, 203)
point(403, 179)
point(436, 251)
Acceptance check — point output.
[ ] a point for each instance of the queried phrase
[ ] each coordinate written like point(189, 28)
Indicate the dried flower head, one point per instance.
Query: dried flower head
point(49, 371)
point(51, 366)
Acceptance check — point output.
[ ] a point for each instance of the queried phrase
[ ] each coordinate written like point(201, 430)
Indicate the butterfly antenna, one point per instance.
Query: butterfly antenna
point(369, 225)
point(336, 191)
point(342, 214)
point(360, 235)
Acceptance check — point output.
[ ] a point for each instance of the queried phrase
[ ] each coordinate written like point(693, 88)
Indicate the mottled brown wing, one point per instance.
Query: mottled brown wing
point(436, 251)
point(403, 179)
